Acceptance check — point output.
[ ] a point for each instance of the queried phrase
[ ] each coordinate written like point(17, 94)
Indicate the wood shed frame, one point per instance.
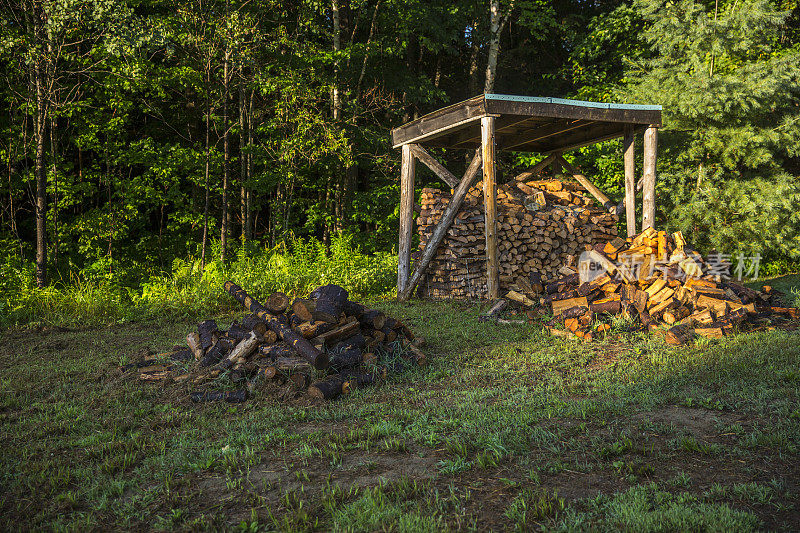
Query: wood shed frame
point(491, 122)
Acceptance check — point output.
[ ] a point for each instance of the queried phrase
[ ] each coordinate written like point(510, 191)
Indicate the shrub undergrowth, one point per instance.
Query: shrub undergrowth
point(295, 267)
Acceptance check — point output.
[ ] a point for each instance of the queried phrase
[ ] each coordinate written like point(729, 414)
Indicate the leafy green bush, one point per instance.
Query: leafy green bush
point(295, 267)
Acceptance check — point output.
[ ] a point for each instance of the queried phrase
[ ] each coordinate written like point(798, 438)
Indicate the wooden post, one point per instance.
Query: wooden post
point(406, 217)
point(490, 207)
point(628, 151)
point(444, 224)
point(649, 175)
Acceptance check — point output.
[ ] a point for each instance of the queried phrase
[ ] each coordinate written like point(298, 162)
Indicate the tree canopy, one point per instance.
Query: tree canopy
point(136, 132)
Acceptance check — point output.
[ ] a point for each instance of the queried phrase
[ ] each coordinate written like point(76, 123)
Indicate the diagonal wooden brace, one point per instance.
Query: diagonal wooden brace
point(444, 224)
point(437, 168)
point(607, 204)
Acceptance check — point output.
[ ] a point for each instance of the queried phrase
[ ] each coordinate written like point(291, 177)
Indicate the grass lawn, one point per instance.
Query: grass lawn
point(506, 428)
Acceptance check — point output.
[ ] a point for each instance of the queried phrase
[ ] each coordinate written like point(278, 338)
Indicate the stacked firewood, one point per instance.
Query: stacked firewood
point(539, 223)
point(657, 282)
point(324, 344)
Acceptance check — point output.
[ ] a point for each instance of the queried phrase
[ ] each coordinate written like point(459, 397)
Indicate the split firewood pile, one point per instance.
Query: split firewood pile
point(324, 345)
point(539, 223)
point(682, 291)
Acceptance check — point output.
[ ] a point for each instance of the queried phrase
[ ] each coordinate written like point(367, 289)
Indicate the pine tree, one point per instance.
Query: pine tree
point(729, 82)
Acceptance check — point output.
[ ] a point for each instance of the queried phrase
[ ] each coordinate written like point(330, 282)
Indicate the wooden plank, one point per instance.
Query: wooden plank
point(553, 110)
point(490, 207)
point(439, 122)
point(406, 217)
point(649, 174)
point(628, 148)
point(535, 169)
point(444, 224)
point(581, 139)
point(437, 168)
point(588, 185)
point(471, 136)
point(540, 133)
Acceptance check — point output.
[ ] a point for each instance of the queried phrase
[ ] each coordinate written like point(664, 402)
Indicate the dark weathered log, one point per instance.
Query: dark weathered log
point(494, 312)
point(357, 380)
point(354, 341)
point(207, 329)
point(390, 334)
point(678, 335)
point(354, 309)
point(237, 396)
point(312, 329)
point(216, 353)
point(144, 365)
point(564, 295)
point(372, 318)
point(284, 366)
point(348, 358)
point(536, 282)
point(183, 354)
point(279, 349)
point(254, 323)
point(330, 300)
point(341, 332)
point(416, 355)
point(300, 379)
point(562, 283)
point(327, 389)
point(611, 306)
point(574, 312)
point(277, 303)
point(317, 358)
point(237, 332)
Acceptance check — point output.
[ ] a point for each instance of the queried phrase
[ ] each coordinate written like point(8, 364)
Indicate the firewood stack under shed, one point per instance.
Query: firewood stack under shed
point(682, 290)
point(324, 344)
point(539, 223)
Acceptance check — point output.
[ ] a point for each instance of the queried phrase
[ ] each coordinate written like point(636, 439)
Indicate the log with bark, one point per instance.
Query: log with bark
point(314, 356)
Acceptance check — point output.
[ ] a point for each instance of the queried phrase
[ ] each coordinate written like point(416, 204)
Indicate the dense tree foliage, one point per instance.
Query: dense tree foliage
point(135, 132)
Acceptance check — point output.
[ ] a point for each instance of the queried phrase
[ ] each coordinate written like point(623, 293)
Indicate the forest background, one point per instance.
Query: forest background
point(151, 148)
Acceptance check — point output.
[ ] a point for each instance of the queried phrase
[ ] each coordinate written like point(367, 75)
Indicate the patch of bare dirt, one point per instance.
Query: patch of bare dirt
point(700, 423)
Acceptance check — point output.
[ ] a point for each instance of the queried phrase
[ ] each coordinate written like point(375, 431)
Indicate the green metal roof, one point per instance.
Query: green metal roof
point(565, 101)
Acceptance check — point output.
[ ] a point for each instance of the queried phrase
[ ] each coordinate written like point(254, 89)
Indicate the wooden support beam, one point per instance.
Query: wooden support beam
point(406, 217)
point(444, 224)
point(628, 151)
point(472, 136)
point(588, 185)
point(543, 132)
point(437, 168)
point(490, 207)
point(535, 169)
point(649, 175)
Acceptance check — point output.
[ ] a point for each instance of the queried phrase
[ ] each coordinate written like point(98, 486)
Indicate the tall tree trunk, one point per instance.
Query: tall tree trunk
point(473, 62)
point(243, 212)
point(496, 23)
point(367, 49)
point(336, 109)
point(226, 160)
point(55, 189)
point(249, 221)
point(336, 103)
point(41, 177)
point(208, 164)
